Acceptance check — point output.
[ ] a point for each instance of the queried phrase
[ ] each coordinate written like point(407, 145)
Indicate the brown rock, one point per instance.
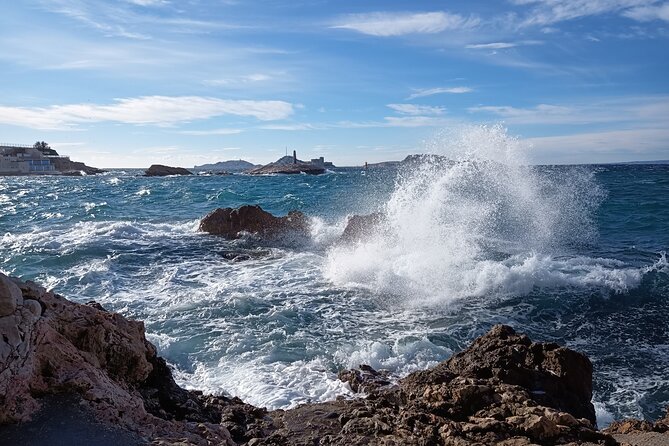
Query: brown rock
point(10, 296)
point(555, 376)
point(231, 223)
point(159, 170)
point(51, 345)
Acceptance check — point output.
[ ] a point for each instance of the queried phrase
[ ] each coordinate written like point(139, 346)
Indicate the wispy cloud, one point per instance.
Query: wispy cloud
point(155, 110)
point(148, 2)
point(491, 46)
point(211, 132)
point(419, 93)
point(416, 110)
point(243, 79)
point(649, 13)
point(293, 127)
point(547, 12)
point(647, 110)
point(608, 146)
point(386, 24)
point(502, 45)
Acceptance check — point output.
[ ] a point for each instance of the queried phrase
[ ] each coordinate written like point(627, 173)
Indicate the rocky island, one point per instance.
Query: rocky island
point(228, 166)
point(292, 165)
point(159, 170)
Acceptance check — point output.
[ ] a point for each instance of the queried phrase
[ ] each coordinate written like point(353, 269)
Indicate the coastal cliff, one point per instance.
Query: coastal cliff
point(503, 389)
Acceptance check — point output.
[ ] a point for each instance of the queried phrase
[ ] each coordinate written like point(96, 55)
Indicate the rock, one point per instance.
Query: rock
point(231, 223)
point(159, 170)
point(555, 376)
point(364, 379)
point(74, 168)
point(101, 358)
point(288, 165)
point(633, 426)
point(503, 389)
point(10, 296)
point(360, 227)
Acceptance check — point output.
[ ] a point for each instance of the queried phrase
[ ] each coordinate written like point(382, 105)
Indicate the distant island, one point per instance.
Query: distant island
point(291, 165)
point(39, 159)
point(229, 166)
point(647, 162)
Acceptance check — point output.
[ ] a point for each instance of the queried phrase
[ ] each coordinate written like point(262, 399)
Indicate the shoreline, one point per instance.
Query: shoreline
point(503, 389)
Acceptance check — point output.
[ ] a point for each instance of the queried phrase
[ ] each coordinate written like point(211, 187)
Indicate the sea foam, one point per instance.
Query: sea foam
point(479, 220)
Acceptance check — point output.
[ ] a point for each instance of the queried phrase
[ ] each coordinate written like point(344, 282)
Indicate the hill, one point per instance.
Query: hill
point(229, 166)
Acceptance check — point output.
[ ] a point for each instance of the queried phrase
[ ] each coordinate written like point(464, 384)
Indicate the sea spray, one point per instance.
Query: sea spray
point(471, 219)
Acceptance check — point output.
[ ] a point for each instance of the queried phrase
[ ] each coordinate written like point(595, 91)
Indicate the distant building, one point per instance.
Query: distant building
point(320, 162)
point(17, 159)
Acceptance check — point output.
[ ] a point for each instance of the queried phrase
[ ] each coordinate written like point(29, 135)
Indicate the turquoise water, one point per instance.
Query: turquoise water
point(568, 254)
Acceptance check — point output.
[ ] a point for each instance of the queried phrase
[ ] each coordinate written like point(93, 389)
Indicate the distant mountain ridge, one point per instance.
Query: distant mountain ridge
point(229, 166)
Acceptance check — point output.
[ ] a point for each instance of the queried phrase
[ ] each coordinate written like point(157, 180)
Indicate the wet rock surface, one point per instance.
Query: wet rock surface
point(361, 227)
point(233, 223)
point(504, 389)
point(159, 170)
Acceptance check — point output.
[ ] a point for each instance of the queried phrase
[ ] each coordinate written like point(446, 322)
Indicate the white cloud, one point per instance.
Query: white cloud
point(156, 110)
point(441, 90)
point(211, 132)
point(492, 46)
point(148, 2)
point(244, 79)
point(647, 110)
point(292, 127)
point(607, 146)
point(649, 13)
point(385, 24)
point(547, 12)
point(415, 110)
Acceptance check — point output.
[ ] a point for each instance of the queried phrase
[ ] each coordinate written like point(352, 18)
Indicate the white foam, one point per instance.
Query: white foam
point(484, 223)
point(272, 385)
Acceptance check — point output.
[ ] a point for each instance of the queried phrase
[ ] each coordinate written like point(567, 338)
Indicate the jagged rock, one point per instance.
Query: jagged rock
point(231, 223)
point(503, 389)
point(556, 376)
point(68, 167)
point(458, 402)
point(364, 379)
point(159, 170)
point(50, 345)
point(360, 227)
point(10, 296)
point(633, 426)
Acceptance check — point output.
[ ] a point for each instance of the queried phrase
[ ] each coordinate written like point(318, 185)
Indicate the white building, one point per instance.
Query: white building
point(24, 160)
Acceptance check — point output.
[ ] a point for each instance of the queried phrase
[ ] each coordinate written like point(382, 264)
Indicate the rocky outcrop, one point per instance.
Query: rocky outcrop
point(360, 227)
point(504, 389)
point(49, 345)
point(158, 170)
point(68, 167)
point(288, 165)
point(233, 223)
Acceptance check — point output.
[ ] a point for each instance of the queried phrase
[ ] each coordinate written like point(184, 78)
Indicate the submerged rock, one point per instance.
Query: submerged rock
point(232, 223)
point(158, 170)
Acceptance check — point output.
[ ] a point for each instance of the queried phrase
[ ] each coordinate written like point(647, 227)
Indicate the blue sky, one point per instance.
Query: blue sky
point(127, 83)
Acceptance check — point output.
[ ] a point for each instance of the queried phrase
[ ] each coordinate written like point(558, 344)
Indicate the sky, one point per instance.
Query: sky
point(128, 83)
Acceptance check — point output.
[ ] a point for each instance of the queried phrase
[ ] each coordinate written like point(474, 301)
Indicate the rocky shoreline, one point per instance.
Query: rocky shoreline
point(503, 389)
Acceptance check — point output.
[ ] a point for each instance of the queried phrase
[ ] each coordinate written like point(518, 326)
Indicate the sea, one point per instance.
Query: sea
point(570, 254)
